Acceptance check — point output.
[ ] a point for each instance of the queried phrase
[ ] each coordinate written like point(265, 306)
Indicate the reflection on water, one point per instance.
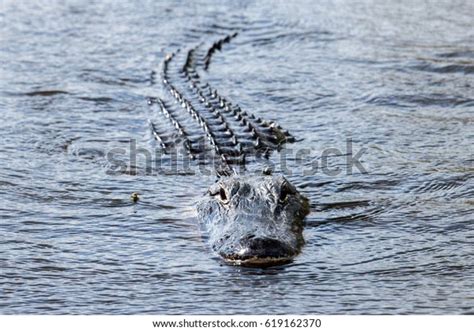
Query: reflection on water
point(395, 78)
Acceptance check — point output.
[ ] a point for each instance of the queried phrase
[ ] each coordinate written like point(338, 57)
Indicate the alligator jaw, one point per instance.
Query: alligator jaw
point(259, 262)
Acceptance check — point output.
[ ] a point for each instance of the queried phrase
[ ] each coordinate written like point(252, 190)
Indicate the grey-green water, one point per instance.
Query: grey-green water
point(397, 78)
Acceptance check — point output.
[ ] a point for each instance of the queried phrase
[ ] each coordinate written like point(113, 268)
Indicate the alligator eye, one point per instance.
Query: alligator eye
point(222, 195)
point(284, 192)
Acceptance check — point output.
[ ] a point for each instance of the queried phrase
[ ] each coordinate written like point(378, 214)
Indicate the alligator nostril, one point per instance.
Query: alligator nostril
point(261, 244)
point(266, 248)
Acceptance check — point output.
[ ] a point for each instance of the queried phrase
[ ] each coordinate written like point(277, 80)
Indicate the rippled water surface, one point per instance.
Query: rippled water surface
point(396, 78)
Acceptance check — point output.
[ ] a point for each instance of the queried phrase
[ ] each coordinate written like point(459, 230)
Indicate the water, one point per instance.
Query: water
point(395, 78)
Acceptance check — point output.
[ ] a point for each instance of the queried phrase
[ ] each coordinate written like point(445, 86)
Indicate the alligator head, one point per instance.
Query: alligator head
point(254, 221)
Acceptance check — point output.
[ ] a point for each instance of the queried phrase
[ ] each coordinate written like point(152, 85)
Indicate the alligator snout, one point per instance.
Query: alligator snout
point(254, 221)
point(260, 251)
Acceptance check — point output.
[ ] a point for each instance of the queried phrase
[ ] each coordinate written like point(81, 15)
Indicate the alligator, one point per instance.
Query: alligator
point(250, 220)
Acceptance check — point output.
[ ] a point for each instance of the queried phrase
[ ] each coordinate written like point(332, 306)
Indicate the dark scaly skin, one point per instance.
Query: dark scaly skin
point(251, 220)
point(254, 221)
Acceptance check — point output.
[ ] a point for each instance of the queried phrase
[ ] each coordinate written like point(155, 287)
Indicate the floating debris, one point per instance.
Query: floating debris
point(135, 197)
